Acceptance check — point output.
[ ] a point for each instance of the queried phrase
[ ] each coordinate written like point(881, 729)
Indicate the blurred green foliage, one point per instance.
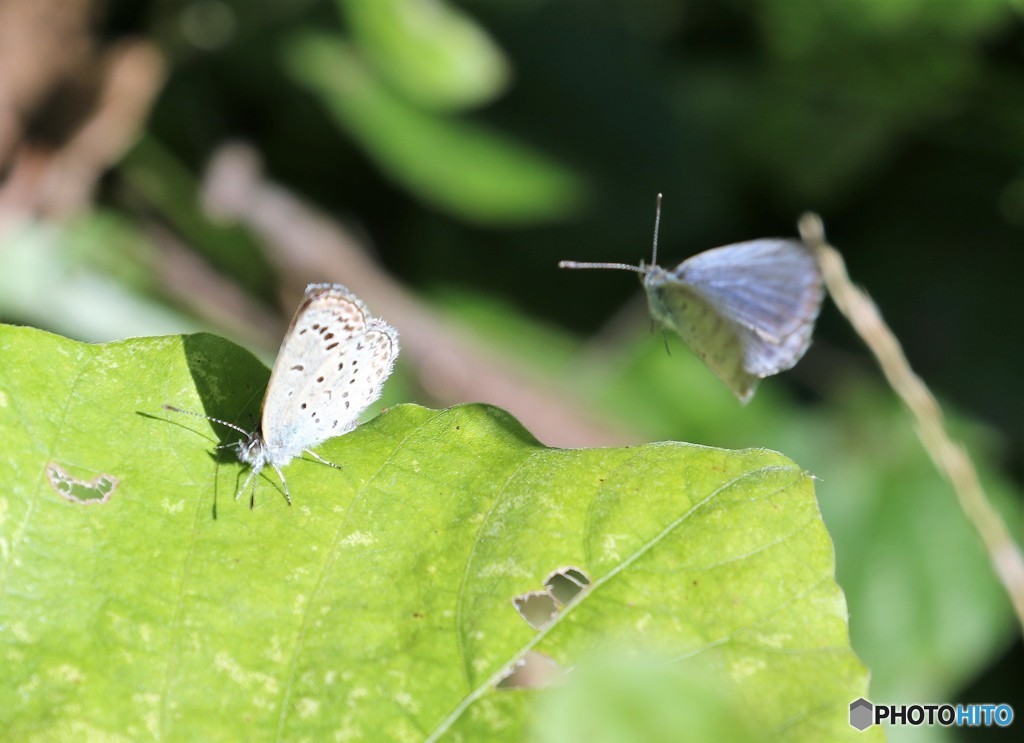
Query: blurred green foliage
point(479, 143)
point(925, 605)
point(461, 168)
point(430, 52)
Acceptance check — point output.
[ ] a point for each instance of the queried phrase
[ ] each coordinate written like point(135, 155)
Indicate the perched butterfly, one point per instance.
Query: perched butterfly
point(332, 365)
point(747, 309)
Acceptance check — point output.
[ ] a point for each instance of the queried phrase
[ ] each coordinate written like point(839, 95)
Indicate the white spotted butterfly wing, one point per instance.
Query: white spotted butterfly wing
point(332, 365)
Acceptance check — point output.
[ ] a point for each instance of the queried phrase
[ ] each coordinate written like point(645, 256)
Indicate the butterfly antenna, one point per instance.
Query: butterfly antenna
point(208, 417)
point(641, 269)
point(320, 459)
point(616, 266)
point(657, 226)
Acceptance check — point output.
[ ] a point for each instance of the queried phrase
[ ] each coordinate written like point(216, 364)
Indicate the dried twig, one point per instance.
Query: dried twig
point(950, 457)
point(44, 45)
point(206, 293)
point(133, 74)
point(68, 106)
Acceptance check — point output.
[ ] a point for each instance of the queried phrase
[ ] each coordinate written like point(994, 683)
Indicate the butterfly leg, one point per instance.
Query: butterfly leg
point(320, 459)
point(248, 480)
point(284, 483)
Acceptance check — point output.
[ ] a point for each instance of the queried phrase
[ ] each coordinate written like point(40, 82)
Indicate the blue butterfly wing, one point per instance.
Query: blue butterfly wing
point(771, 287)
point(747, 310)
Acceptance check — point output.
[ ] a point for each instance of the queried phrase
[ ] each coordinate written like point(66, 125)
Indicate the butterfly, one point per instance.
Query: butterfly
point(746, 309)
point(333, 362)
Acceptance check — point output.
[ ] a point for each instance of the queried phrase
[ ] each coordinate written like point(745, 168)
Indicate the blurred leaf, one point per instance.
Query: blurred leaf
point(380, 604)
point(87, 279)
point(834, 87)
point(170, 189)
point(629, 699)
point(910, 549)
point(795, 28)
point(430, 51)
point(455, 165)
point(542, 346)
point(928, 612)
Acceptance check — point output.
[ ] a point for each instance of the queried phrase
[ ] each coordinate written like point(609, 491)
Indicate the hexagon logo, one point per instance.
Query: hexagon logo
point(861, 714)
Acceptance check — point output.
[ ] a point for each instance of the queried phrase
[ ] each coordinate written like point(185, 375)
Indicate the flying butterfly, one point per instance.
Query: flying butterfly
point(746, 309)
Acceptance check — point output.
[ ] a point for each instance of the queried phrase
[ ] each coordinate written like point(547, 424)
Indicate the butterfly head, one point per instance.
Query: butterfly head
point(252, 450)
point(652, 276)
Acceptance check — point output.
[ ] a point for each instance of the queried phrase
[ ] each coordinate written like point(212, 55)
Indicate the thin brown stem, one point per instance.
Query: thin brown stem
point(949, 457)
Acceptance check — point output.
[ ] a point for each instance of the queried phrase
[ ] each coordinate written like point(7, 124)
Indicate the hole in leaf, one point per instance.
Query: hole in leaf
point(97, 490)
point(538, 608)
point(565, 584)
point(561, 586)
point(533, 671)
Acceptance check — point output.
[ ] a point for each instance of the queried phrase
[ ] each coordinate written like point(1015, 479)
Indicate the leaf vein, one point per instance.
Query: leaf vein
point(495, 677)
point(328, 562)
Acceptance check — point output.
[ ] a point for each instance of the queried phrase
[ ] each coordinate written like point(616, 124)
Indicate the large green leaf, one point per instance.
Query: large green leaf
point(138, 598)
